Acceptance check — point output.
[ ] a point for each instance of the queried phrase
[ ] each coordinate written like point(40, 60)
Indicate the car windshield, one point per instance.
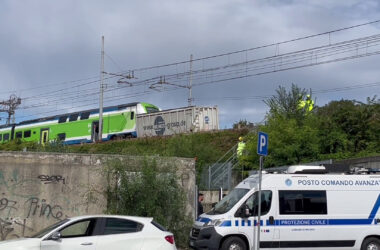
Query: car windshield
point(228, 201)
point(44, 231)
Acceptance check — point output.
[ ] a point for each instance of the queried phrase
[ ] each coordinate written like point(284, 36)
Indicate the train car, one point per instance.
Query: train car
point(79, 127)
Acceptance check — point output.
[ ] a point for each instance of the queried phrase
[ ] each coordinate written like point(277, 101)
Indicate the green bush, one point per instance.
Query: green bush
point(151, 191)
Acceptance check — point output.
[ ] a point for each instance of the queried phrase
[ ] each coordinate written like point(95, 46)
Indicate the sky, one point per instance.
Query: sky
point(51, 53)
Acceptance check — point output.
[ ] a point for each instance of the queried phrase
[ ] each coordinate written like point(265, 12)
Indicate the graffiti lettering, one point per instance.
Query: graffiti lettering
point(41, 208)
point(7, 204)
point(8, 226)
point(5, 229)
point(54, 179)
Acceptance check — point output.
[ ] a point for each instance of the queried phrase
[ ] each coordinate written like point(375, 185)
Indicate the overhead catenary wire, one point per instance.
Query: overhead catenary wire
point(317, 91)
point(284, 59)
point(258, 47)
point(285, 69)
point(226, 72)
point(219, 55)
point(258, 98)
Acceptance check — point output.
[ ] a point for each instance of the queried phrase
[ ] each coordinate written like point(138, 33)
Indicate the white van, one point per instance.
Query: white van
point(300, 209)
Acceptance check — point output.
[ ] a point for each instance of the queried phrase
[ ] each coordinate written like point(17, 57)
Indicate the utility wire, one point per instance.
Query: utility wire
point(255, 48)
point(203, 58)
point(321, 91)
point(242, 69)
point(341, 48)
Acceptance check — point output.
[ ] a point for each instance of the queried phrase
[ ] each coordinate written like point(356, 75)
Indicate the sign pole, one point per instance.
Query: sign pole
point(262, 150)
point(259, 207)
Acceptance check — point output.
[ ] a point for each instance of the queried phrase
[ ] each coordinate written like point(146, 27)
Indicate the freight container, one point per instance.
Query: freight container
point(177, 121)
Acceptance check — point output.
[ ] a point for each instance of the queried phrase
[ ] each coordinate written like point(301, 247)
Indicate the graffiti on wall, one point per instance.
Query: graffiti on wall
point(54, 179)
point(22, 196)
point(9, 227)
point(39, 207)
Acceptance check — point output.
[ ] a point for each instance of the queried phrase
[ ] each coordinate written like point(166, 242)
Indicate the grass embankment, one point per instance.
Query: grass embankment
point(206, 147)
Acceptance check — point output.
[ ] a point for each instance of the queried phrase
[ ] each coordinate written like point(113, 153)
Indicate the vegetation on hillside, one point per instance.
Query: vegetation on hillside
point(340, 129)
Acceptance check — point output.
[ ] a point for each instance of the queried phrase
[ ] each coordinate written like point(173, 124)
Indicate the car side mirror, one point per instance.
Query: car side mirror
point(56, 236)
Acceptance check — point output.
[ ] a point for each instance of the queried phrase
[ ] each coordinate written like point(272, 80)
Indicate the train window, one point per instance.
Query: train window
point(27, 133)
point(1, 137)
point(132, 115)
point(6, 137)
point(61, 137)
point(85, 115)
point(151, 109)
point(18, 135)
point(62, 119)
point(73, 117)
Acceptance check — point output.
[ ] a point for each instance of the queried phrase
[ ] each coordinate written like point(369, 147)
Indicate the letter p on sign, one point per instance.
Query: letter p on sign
point(262, 144)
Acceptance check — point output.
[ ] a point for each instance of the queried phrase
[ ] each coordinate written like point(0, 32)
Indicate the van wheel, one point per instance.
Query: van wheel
point(234, 243)
point(371, 244)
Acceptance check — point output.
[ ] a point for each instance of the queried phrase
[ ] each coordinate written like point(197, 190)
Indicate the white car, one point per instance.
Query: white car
point(98, 232)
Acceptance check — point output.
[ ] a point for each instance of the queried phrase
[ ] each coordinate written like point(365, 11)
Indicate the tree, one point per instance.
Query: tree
point(349, 126)
point(286, 104)
point(293, 132)
point(150, 191)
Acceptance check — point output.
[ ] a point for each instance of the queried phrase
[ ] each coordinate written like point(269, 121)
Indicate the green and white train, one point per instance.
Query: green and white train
point(79, 127)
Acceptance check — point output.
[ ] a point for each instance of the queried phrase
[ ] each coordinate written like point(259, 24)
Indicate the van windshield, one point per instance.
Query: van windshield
point(228, 201)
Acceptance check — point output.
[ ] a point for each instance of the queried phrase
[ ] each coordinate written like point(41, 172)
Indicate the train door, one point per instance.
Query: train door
point(13, 132)
point(44, 138)
point(95, 131)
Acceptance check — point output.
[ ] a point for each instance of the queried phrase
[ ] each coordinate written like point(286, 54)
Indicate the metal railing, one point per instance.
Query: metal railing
point(219, 174)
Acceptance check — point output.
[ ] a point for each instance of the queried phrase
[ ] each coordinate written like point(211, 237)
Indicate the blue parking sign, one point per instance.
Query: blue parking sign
point(262, 144)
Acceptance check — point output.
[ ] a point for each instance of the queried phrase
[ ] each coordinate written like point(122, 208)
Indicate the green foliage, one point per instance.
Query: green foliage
point(340, 129)
point(153, 192)
point(18, 145)
point(289, 142)
point(286, 104)
point(349, 126)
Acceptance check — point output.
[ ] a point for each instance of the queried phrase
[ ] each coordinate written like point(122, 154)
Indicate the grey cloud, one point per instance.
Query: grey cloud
point(45, 42)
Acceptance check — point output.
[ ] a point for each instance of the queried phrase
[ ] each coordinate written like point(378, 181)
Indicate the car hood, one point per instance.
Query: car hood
point(31, 243)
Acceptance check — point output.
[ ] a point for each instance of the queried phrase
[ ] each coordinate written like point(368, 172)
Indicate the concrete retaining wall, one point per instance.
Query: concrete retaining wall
point(38, 189)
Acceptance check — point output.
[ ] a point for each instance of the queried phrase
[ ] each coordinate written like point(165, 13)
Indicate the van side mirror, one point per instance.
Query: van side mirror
point(56, 236)
point(271, 220)
point(244, 211)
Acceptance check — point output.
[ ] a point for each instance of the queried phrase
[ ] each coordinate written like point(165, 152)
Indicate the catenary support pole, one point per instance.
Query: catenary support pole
point(191, 82)
point(101, 93)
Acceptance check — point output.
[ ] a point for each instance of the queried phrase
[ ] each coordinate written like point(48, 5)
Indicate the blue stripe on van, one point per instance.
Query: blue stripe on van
point(325, 222)
point(320, 222)
point(375, 209)
point(309, 222)
point(243, 223)
point(226, 223)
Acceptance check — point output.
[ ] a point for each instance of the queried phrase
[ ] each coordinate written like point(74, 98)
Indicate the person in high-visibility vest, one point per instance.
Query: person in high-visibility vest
point(240, 147)
point(307, 104)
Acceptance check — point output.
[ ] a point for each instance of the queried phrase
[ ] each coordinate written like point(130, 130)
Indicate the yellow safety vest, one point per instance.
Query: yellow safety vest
point(240, 148)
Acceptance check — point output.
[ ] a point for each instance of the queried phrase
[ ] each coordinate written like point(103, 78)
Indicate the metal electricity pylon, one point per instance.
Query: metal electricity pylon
point(10, 106)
